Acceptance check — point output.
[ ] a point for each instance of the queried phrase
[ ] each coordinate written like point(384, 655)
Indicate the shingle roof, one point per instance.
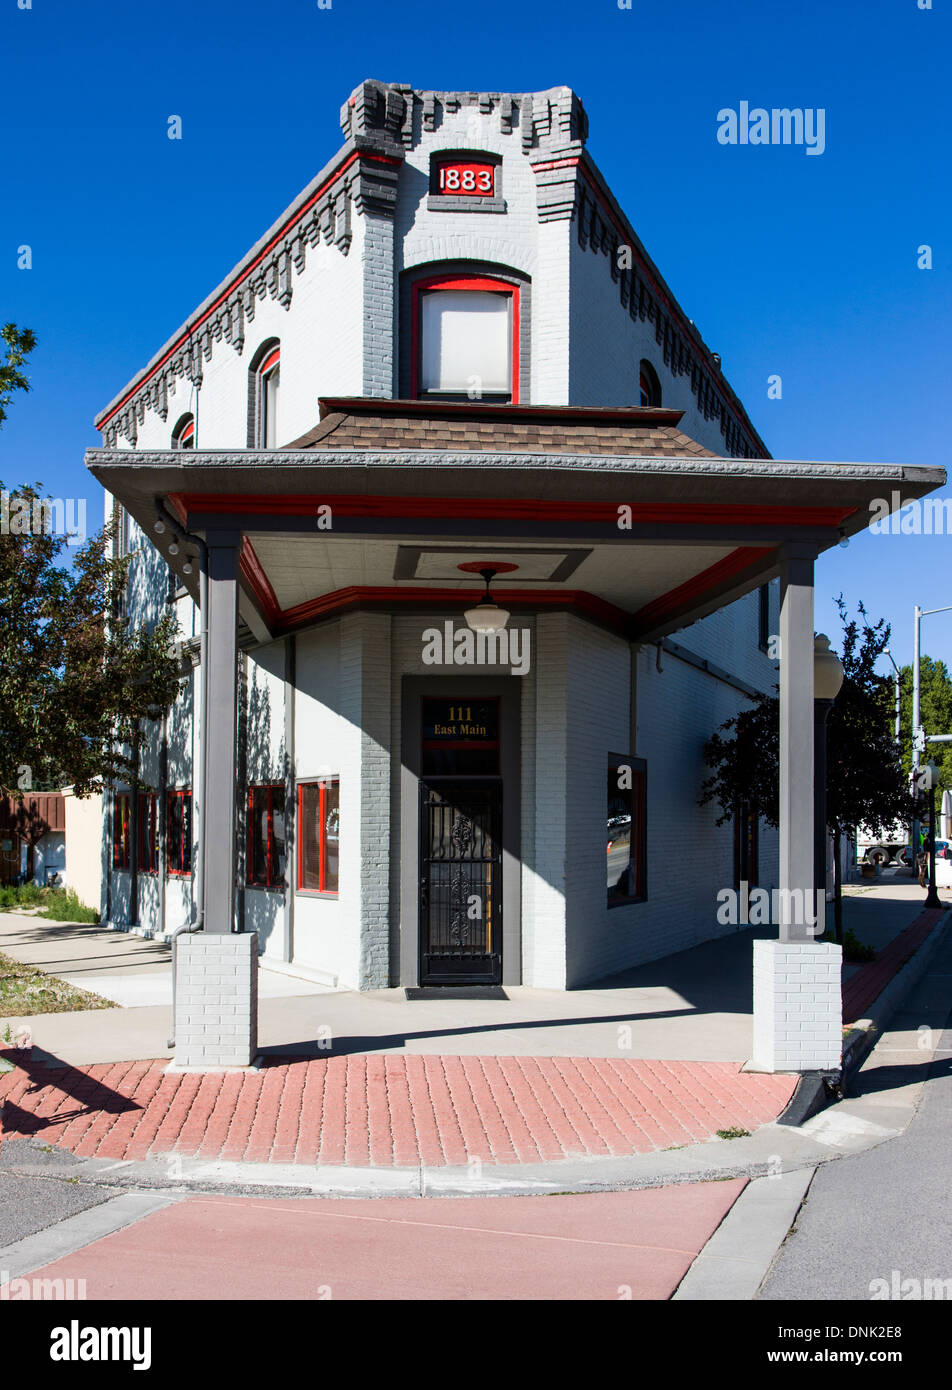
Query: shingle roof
point(381, 425)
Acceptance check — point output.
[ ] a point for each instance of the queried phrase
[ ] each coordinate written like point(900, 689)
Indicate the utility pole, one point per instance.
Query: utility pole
point(887, 652)
point(918, 733)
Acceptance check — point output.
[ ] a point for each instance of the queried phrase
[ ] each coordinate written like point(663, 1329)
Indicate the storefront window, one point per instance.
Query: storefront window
point(266, 836)
point(626, 830)
point(121, 821)
point(179, 831)
point(319, 836)
point(148, 848)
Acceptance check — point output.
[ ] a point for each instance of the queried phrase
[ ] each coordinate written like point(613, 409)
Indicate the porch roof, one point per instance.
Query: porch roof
point(588, 509)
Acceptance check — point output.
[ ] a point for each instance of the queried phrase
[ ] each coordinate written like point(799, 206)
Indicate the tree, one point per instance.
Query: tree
point(866, 782)
point(76, 679)
point(20, 342)
point(935, 700)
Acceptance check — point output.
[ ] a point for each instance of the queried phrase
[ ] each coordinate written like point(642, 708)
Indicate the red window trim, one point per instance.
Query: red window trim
point(462, 282)
point(321, 890)
point(121, 848)
point(271, 882)
point(185, 794)
point(270, 362)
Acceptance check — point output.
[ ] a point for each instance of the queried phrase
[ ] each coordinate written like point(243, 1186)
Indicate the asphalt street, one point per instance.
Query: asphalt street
point(890, 1208)
point(34, 1203)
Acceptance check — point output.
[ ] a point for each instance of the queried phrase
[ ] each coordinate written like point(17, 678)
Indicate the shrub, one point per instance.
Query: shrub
point(62, 905)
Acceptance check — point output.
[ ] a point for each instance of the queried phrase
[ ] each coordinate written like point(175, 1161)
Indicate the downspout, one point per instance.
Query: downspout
point(169, 522)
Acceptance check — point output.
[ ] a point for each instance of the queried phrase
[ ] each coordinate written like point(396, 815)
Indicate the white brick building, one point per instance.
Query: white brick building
point(452, 353)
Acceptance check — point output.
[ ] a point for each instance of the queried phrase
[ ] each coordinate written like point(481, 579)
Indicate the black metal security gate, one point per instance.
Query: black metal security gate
point(460, 883)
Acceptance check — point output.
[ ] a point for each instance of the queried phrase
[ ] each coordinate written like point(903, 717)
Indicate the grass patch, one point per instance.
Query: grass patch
point(24, 990)
point(64, 906)
point(854, 952)
point(734, 1133)
point(23, 895)
point(55, 904)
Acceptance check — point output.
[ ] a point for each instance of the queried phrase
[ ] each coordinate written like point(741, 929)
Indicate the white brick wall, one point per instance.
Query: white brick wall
point(798, 1008)
point(216, 999)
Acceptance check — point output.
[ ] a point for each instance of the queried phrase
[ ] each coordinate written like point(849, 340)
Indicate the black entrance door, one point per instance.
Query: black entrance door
point(460, 882)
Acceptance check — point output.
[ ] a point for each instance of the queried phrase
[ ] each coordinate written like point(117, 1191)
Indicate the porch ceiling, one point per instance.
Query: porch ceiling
point(302, 568)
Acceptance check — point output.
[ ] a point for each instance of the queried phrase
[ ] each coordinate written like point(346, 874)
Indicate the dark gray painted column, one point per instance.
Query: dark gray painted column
point(290, 795)
point(796, 741)
point(221, 734)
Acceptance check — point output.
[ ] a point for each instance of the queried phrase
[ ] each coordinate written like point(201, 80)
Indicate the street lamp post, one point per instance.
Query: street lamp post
point(827, 679)
point(918, 734)
point(929, 779)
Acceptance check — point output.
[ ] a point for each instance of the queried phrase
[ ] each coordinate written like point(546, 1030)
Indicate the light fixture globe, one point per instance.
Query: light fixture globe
point(486, 616)
point(827, 669)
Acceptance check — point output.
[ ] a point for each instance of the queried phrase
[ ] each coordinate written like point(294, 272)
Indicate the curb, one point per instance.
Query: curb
point(865, 1032)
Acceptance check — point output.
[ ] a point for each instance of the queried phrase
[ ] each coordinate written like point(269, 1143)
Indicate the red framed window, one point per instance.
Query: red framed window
point(183, 436)
point(464, 338)
point(269, 381)
point(178, 831)
point(318, 836)
point(121, 828)
point(147, 857)
point(267, 836)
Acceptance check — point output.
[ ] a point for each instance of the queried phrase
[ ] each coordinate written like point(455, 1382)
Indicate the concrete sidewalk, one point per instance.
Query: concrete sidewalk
point(694, 1006)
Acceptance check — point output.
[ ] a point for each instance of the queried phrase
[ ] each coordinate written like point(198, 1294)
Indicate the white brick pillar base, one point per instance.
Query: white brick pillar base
point(798, 1006)
point(216, 999)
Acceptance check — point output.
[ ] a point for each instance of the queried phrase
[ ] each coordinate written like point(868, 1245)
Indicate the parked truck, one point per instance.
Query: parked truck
point(880, 850)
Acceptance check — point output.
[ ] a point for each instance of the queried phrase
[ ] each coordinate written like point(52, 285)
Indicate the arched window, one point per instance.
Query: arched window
point(266, 390)
point(649, 387)
point(465, 338)
point(183, 436)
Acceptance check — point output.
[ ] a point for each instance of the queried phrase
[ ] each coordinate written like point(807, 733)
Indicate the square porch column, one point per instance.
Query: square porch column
point(797, 994)
point(216, 1013)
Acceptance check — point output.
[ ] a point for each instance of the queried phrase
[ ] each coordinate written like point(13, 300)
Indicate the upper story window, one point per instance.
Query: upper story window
point(465, 338)
point(266, 396)
point(183, 436)
point(649, 387)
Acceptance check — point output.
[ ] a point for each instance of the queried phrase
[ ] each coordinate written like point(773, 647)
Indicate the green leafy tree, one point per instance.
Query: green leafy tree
point(866, 782)
point(77, 680)
point(935, 701)
point(19, 343)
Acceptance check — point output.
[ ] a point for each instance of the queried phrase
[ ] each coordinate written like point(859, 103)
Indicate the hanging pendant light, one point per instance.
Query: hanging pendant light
point(486, 616)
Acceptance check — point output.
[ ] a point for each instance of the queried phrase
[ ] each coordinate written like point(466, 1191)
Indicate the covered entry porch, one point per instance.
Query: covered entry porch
point(609, 532)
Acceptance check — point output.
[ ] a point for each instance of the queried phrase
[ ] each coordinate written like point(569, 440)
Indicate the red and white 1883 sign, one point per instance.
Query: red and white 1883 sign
point(466, 178)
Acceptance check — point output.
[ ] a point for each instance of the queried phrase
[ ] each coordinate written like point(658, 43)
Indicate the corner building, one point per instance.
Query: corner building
point(452, 355)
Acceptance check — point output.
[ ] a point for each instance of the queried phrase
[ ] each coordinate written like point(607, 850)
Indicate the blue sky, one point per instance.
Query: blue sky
point(792, 264)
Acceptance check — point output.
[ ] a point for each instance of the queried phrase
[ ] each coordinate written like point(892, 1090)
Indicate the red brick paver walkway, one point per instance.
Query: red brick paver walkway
point(861, 989)
point(389, 1110)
